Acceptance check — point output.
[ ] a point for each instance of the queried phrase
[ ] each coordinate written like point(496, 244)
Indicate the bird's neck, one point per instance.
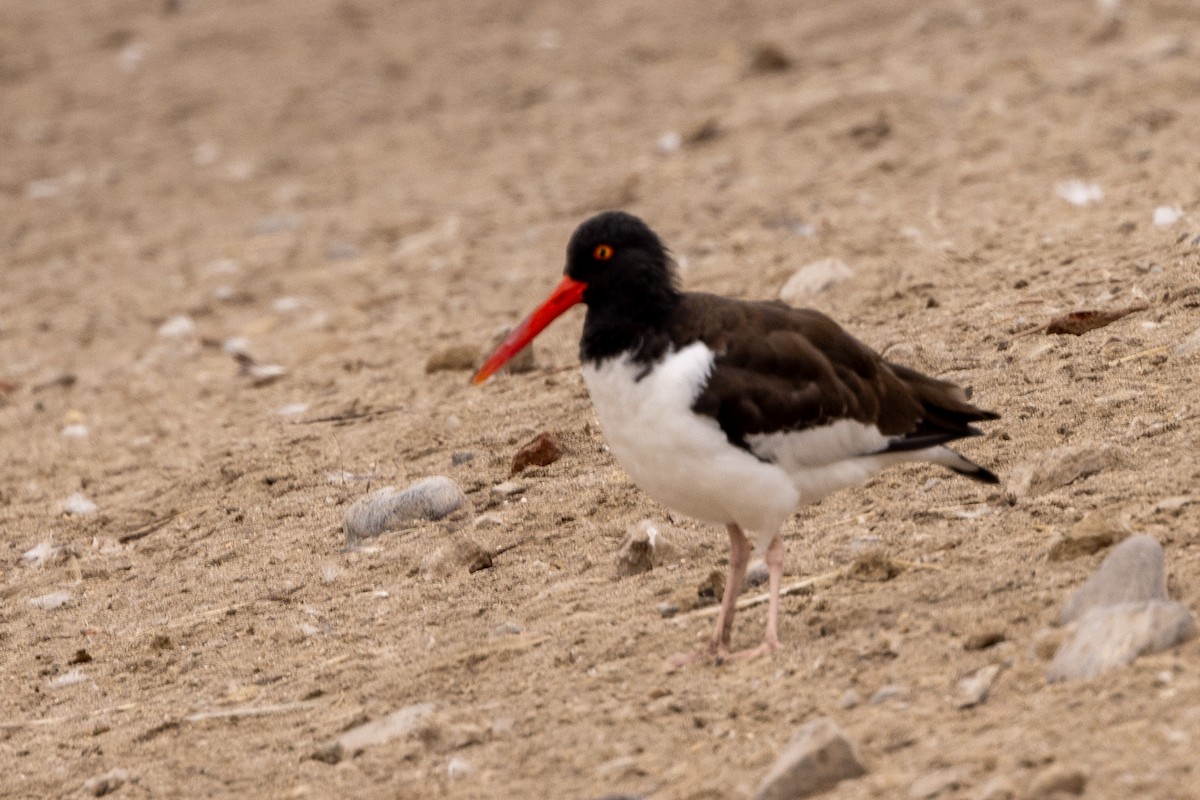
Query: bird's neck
point(630, 323)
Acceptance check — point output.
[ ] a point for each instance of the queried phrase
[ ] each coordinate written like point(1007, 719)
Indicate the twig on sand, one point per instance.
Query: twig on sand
point(799, 587)
point(249, 711)
point(1153, 351)
point(151, 527)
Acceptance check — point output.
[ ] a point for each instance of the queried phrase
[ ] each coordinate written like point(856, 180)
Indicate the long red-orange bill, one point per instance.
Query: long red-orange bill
point(566, 294)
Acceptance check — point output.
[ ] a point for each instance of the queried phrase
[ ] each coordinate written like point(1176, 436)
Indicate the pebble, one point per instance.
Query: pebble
point(508, 489)
point(78, 505)
point(1133, 572)
point(177, 327)
point(540, 451)
point(1114, 636)
point(1167, 215)
point(524, 361)
point(451, 557)
point(49, 602)
point(292, 409)
point(973, 689)
point(428, 499)
point(670, 142)
point(458, 768)
point(814, 278)
point(667, 610)
point(1063, 466)
point(849, 700)
point(1189, 345)
point(68, 679)
point(983, 639)
point(1079, 193)
point(76, 431)
point(938, 782)
point(453, 358)
point(1058, 779)
point(1093, 533)
point(488, 521)
point(107, 783)
point(712, 588)
point(885, 693)
point(756, 574)
point(818, 757)
point(643, 548)
point(380, 731)
point(767, 57)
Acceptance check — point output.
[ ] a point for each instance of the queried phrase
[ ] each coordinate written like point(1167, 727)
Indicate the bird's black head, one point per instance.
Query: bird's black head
point(620, 259)
point(619, 268)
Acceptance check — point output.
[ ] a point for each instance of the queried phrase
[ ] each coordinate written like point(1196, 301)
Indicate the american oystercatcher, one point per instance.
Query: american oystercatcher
point(736, 412)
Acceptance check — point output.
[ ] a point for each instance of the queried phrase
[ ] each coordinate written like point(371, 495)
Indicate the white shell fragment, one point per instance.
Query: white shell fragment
point(387, 509)
point(1167, 215)
point(177, 327)
point(78, 505)
point(1079, 193)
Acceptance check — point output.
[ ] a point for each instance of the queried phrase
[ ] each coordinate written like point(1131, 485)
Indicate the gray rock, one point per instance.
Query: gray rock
point(885, 693)
point(1063, 466)
point(1131, 573)
point(814, 278)
point(107, 783)
point(387, 509)
point(1189, 345)
point(849, 700)
point(398, 723)
point(667, 610)
point(643, 548)
point(1091, 534)
point(1113, 636)
point(508, 489)
point(756, 574)
point(973, 689)
point(451, 358)
point(818, 757)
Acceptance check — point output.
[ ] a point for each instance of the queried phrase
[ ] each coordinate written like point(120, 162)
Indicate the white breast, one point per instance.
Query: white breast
point(680, 458)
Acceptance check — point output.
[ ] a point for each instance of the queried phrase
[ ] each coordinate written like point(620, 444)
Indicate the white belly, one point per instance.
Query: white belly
point(682, 459)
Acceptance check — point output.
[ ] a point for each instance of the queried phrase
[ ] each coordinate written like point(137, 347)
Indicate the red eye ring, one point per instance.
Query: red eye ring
point(603, 252)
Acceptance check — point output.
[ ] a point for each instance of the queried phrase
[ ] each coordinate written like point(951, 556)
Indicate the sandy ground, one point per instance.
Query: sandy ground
point(344, 188)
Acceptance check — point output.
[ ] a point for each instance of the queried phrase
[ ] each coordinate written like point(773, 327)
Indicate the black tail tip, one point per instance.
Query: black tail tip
point(978, 473)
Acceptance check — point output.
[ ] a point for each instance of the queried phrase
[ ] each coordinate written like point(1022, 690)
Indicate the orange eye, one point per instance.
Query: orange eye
point(602, 252)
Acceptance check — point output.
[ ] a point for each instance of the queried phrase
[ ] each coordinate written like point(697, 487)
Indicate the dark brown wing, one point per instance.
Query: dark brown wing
point(781, 369)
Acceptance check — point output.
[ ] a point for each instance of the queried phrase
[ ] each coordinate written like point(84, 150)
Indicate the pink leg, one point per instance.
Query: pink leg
point(774, 559)
point(775, 552)
point(739, 558)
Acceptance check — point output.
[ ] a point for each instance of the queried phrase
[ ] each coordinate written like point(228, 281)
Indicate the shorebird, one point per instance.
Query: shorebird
point(736, 412)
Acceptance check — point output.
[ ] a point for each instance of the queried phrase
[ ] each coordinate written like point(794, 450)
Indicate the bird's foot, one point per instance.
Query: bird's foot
point(768, 647)
point(681, 660)
point(720, 655)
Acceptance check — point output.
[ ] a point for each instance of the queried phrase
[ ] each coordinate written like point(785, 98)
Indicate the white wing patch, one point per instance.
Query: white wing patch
point(816, 447)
